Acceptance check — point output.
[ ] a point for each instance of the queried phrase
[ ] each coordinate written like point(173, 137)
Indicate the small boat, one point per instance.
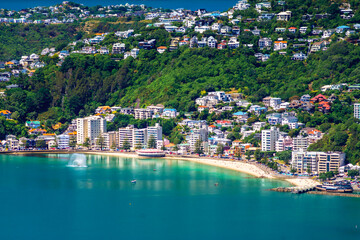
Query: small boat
point(216, 184)
point(133, 181)
point(150, 153)
point(154, 169)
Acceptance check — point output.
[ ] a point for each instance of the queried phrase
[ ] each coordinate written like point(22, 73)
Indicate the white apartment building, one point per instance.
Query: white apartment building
point(140, 138)
point(265, 43)
point(155, 131)
point(156, 109)
point(118, 48)
point(317, 162)
point(169, 113)
point(196, 134)
point(357, 110)
point(63, 141)
point(283, 144)
point(283, 16)
point(111, 139)
point(142, 113)
point(330, 161)
point(303, 161)
point(258, 125)
point(90, 127)
point(269, 138)
point(126, 134)
point(300, 142)
point(242, 5)
point(275, 102)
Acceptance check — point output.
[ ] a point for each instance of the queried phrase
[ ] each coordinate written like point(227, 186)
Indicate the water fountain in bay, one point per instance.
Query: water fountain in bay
point(77, 160)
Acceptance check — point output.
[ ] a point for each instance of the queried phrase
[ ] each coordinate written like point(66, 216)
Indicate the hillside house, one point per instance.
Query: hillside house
point(280, 45)
point(283, 16)
point(5, 113)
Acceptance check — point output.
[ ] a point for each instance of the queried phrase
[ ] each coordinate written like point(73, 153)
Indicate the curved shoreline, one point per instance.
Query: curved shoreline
point(243, 167)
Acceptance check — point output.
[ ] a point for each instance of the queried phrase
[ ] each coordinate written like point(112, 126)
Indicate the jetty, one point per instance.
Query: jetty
point(295, 190)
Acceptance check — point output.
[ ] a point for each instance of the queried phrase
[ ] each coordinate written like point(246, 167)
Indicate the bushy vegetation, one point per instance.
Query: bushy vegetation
point(20, 39)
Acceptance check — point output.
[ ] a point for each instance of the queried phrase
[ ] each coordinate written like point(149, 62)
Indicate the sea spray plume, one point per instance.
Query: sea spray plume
point(77, 160)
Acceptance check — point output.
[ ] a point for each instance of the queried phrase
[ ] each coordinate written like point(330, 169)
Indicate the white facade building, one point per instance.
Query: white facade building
point(300, 142)
point(317, 162)
point(196, 134)
point(111, 139)
point(90, 127)
point(63, 141)
point(138, 138)
point(126, 134)
point(156, 132)
point(269, 138)
point(275, 102)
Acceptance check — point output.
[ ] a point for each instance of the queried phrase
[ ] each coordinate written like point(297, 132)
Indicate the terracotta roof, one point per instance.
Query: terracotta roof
point(6, 112)
point(314, 131)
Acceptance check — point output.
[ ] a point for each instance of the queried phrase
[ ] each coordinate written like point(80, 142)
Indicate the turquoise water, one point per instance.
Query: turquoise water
point(210, 5)
point(41, 198)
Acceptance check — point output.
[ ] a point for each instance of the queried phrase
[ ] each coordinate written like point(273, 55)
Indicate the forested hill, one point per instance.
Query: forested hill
point(176, 78)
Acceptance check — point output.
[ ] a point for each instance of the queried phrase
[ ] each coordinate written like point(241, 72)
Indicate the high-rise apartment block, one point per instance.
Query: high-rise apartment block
point(90, 127)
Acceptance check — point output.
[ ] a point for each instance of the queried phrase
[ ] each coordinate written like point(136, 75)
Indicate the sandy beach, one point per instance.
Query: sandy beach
point(243, 167)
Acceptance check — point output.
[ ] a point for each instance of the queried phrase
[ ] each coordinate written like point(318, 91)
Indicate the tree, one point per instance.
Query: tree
point(248, 155)
point(176, 148)
point(353, 173)
point(126, 145)
point(41, 144)
point(113, 146)
point(237, 153)
point(220, 149)
point(138, 145)
point(293, 170)
point(72, 143)
point(284, 156)
point(198, 147)
point(15, 115)
point(326, 175)
point(152, 142)
point(257, 155)
point(100, 142)
point(87, 143)
point(24, 144)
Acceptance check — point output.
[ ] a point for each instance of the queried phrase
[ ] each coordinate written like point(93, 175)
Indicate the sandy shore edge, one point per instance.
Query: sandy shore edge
point(243, 167)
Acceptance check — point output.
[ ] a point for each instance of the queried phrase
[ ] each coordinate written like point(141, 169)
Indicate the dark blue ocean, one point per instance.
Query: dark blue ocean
point(41, 198)
point(210, 5)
